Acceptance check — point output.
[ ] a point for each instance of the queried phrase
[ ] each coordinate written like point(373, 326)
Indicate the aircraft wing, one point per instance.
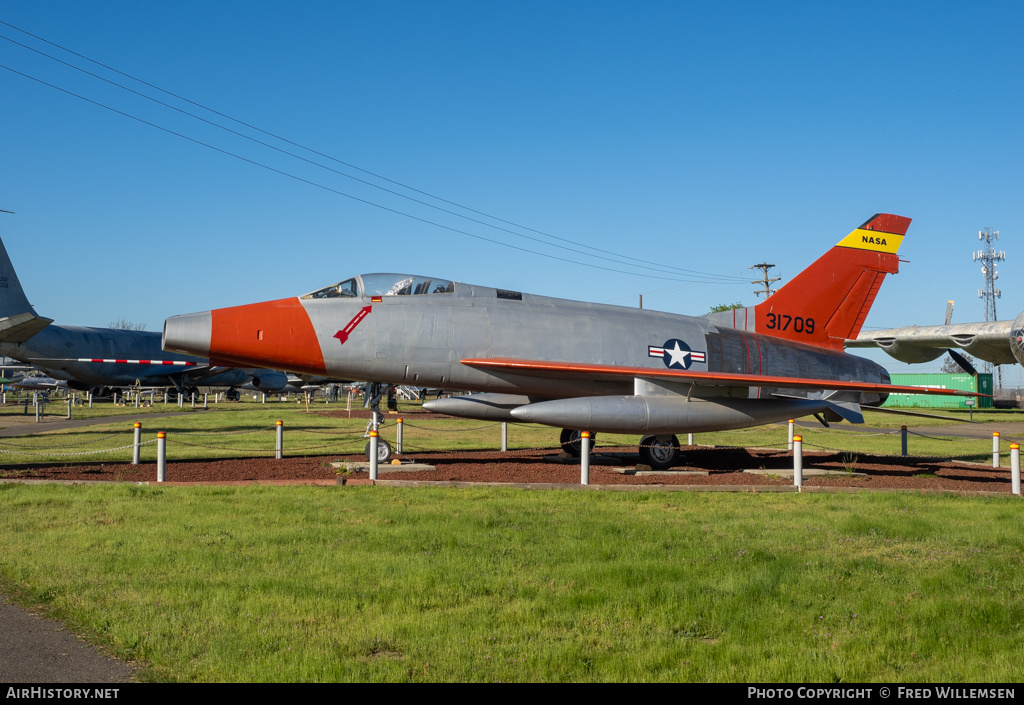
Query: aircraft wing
point(545, 368)
point(989, 341)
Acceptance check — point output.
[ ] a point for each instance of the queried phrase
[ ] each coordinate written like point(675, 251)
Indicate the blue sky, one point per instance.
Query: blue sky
point(692, 136)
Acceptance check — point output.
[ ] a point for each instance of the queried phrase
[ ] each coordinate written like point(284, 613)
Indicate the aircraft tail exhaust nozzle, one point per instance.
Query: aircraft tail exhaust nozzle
point(664, 415)
point(189, 333)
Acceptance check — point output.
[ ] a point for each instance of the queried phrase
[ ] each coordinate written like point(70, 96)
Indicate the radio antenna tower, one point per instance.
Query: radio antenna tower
point(766, 282)
point(988, 257)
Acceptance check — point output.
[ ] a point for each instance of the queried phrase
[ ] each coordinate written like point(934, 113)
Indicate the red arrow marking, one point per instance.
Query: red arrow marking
point(342, 335)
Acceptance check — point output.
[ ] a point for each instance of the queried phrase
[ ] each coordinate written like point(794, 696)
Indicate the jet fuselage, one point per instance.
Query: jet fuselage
point(421, 340)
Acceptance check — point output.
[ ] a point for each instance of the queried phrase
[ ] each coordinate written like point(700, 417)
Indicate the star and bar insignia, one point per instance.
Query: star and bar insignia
point(676, 354)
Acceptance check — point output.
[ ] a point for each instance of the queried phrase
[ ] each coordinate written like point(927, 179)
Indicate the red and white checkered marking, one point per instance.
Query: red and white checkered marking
point(179, 363)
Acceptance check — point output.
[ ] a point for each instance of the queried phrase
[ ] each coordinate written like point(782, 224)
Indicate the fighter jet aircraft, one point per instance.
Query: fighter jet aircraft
point(576, 365)
point(101, 359)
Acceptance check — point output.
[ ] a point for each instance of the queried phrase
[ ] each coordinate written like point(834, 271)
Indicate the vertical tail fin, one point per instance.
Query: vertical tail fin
point(827, 302)
point(18, 320)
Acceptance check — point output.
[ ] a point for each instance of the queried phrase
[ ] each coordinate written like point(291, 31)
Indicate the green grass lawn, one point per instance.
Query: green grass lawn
point(401, 584)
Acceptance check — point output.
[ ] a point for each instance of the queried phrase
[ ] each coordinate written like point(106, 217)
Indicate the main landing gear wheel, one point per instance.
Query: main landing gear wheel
point(383, 451)
point(572, 441)
point(660, 452)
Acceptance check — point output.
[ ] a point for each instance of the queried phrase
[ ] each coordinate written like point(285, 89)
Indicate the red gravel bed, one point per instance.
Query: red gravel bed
point(724, 466)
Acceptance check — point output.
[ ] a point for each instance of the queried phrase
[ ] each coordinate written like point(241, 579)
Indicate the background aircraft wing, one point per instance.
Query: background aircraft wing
point(987, 341)
point(546, 368)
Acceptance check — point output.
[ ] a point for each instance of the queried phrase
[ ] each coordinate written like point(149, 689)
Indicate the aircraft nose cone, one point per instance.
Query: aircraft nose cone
point(189, 333)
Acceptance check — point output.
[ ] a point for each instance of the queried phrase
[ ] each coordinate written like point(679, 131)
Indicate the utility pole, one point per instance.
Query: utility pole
point(989, 257)
point(765, 282)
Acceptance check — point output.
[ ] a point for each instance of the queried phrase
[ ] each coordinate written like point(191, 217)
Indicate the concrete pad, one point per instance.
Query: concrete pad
point(671, 471)
point(600, 459)
point(807, 472)
point(383, 467)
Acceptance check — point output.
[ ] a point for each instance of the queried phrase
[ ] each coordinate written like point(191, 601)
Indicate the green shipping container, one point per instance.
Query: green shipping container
point(941, 380)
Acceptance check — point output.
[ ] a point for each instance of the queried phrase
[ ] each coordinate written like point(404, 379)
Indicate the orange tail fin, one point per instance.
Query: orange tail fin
point(827, 302)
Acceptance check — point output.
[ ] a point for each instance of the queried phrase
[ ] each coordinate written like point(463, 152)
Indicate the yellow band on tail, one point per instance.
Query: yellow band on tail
point(872, 240)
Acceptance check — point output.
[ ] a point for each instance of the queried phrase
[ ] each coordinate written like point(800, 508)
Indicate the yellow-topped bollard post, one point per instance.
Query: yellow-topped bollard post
point(137, 450)
point(585, 458)
point(161, 456)
point(798, 461)
point(1015, 468)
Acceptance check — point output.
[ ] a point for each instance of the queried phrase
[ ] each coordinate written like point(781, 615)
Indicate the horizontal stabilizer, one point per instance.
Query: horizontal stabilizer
point(21, 327)
point(847, 410)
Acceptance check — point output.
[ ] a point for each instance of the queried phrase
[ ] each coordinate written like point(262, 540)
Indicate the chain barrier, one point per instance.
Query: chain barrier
point(324, 432)
point(290, 449)
point(69, 445)
point(221, 433)
point(84, 452)
point(451, 430)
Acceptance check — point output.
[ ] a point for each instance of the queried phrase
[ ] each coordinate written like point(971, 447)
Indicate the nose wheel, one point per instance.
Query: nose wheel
point(383, 451)
point(660, 452)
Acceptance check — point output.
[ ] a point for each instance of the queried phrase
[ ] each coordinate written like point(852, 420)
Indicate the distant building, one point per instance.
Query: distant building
point(941, 380)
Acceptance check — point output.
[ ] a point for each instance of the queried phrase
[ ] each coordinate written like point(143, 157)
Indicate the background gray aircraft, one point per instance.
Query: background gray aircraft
point(998, 342)
point(102, 359)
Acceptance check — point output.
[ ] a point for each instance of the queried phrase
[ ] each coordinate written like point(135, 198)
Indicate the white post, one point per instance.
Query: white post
point(280, 439)
point(504, 436)
point(69, 407)
point(398, 443)
point(161, 456)
point(138, 443)
point(798, 461)
point(585, 458)
point(790, 445)
point(35, 402)
point(995, 449)
point(90, 400)
point(1015, 468)
point(373, 454)
point(264, 400)
point(689, 439)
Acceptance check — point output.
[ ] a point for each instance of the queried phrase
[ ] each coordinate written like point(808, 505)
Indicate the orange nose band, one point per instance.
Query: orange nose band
point(273, 330)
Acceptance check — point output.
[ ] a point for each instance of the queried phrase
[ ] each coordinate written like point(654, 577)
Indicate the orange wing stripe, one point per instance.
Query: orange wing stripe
point(722, 378)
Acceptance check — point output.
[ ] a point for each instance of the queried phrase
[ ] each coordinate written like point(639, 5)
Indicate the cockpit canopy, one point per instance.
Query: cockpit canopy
point(383, 285)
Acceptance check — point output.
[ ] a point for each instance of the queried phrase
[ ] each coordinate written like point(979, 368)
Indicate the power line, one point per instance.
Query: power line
point(333, 190)
point(578, 247)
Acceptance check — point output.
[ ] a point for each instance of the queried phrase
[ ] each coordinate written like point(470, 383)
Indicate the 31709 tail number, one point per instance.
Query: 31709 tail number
point(781, 321)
